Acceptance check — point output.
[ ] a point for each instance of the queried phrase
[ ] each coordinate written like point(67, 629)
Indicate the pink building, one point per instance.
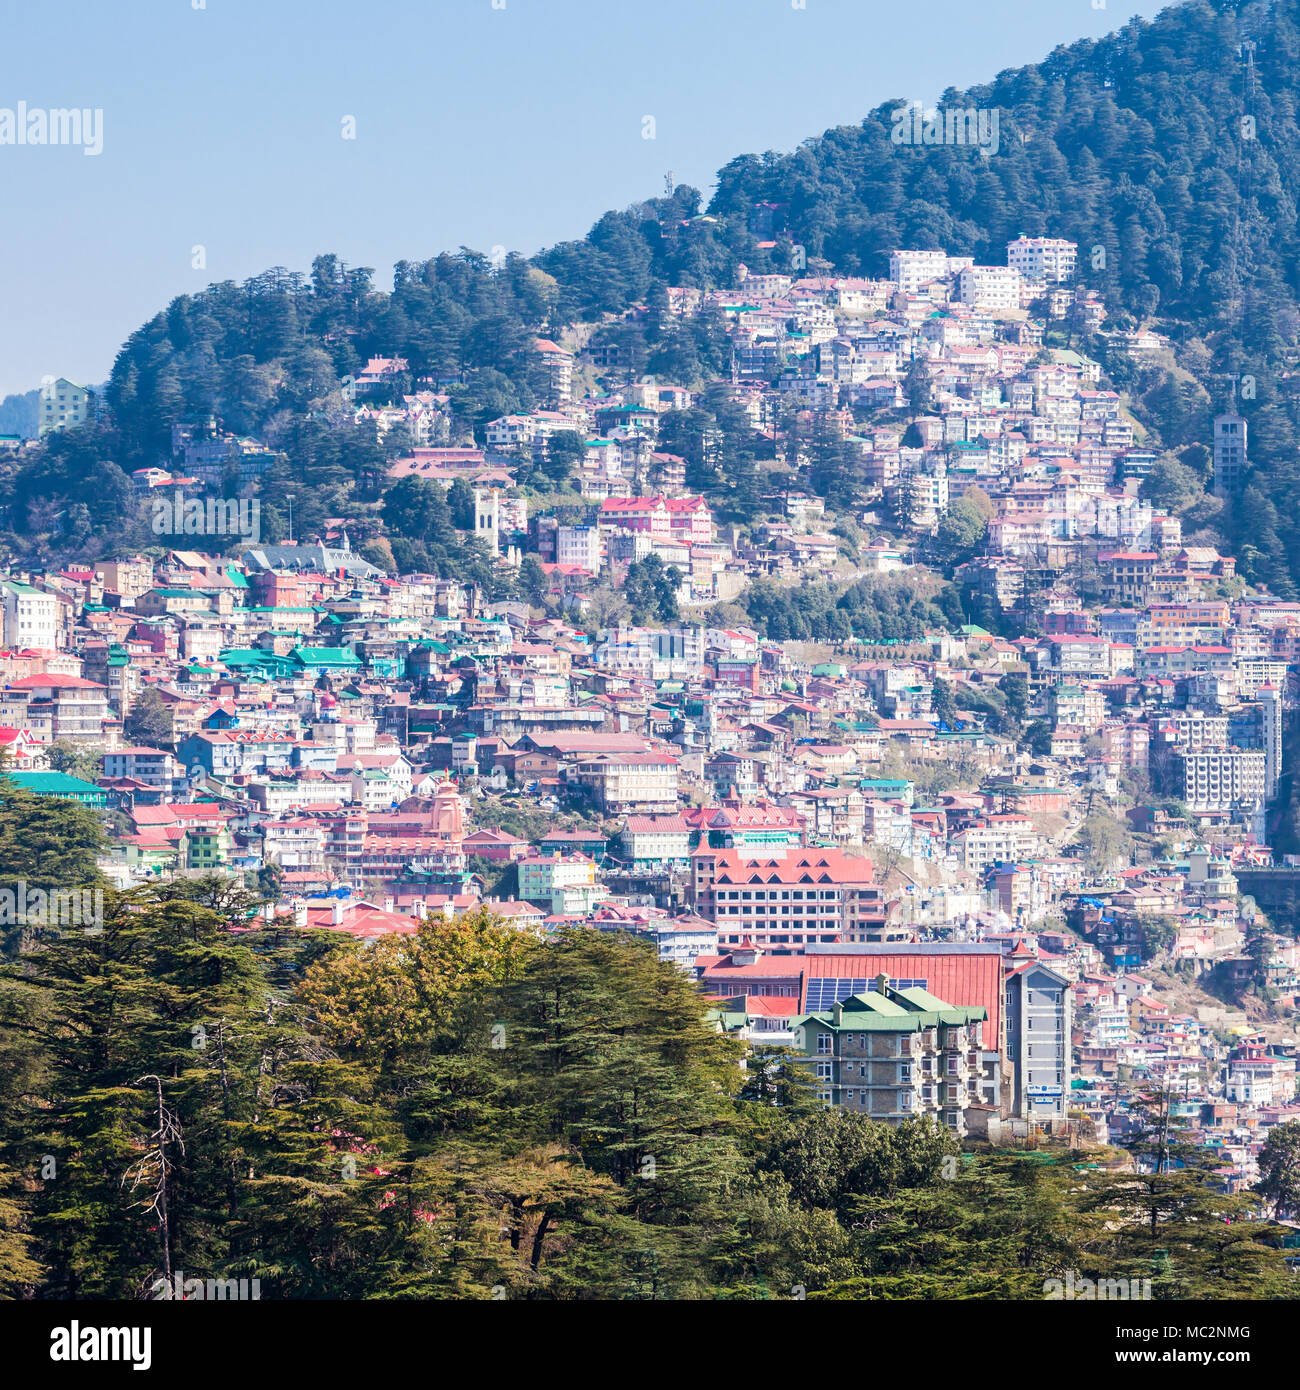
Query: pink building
point(690, 520)
point(648, 514)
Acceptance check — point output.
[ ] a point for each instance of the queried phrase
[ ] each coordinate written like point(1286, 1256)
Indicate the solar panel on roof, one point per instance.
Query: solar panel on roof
point(827, 991)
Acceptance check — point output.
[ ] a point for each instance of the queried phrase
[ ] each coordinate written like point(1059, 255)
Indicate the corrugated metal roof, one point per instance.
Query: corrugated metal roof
point(968, 978)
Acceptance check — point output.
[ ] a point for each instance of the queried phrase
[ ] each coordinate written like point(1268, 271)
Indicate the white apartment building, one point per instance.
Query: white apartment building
point(1002, 840)
point(909, 270)
point(31, 617)
point(63, 405)
point(1271, 721)
point(989, 287)
point(667, 654)
point(1110, 1022)
point(294, 844)
point(580, 546)
point(345, 735)
point(155, 767)
point(631, 781)
point(1250, 1081)
point(517, 431)
point(1197, 730)
point(298, 793)
point(376, 789)
point(1216, 778)
point(1044, 258)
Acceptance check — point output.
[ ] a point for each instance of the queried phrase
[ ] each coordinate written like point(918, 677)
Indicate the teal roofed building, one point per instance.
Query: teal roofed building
point(888, 789)
point(325, 659)
point(58, 784)
point(252, 661)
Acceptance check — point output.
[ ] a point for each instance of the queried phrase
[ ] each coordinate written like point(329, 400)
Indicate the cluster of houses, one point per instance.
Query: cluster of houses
point(888, 855)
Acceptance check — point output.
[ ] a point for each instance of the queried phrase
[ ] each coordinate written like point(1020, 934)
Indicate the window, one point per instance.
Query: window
point(825, 1071)
point(823, 1043)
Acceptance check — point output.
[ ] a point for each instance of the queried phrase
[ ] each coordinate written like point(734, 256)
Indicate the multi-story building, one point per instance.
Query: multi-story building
point(898, 1053)
point(207, 849)
point(155, 767)
point(1194, 730)
point(1050, 259)
point(68, 706)
point(657, 842)
point(998, 839)
point(909, 270)
point(648, 515)
point(1038, 1014)
point(1076, 707)
point(578, 546)
point(294, 844)
point(130, 578)
point(787, 900)
point(1128, 744)
point(994, 287)
point(654, 654)
point(1216, 779)
point(623, 783)
point(277, 793)
point(31, 617)
point(1271, 720)
point(559, 364)
point(63, 405)
point(1127, 574)
point(757, 827)
point(1230, 435)
point(541, 875)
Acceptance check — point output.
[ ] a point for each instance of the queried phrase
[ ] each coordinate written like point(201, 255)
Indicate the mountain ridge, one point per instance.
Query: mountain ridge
point(1168, 149)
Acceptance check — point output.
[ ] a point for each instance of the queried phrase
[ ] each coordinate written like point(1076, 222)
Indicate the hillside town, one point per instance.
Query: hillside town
point(1006, 870)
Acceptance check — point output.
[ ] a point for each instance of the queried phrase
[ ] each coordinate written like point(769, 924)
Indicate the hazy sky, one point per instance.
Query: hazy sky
point(477, 122)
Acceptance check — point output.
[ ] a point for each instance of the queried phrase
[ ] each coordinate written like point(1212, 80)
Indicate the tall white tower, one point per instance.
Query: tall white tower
point(487, 517)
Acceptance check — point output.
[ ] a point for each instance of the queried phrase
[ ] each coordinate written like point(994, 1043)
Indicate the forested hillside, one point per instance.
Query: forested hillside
point(18, 415)
point(1169, 151)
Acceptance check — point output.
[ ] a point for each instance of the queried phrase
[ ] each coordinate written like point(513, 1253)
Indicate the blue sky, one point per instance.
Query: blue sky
point(515, 125)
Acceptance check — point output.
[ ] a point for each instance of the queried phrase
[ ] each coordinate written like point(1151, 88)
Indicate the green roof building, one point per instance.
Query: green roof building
point(61, 785)
point(894, 1054)
point(325, 658)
